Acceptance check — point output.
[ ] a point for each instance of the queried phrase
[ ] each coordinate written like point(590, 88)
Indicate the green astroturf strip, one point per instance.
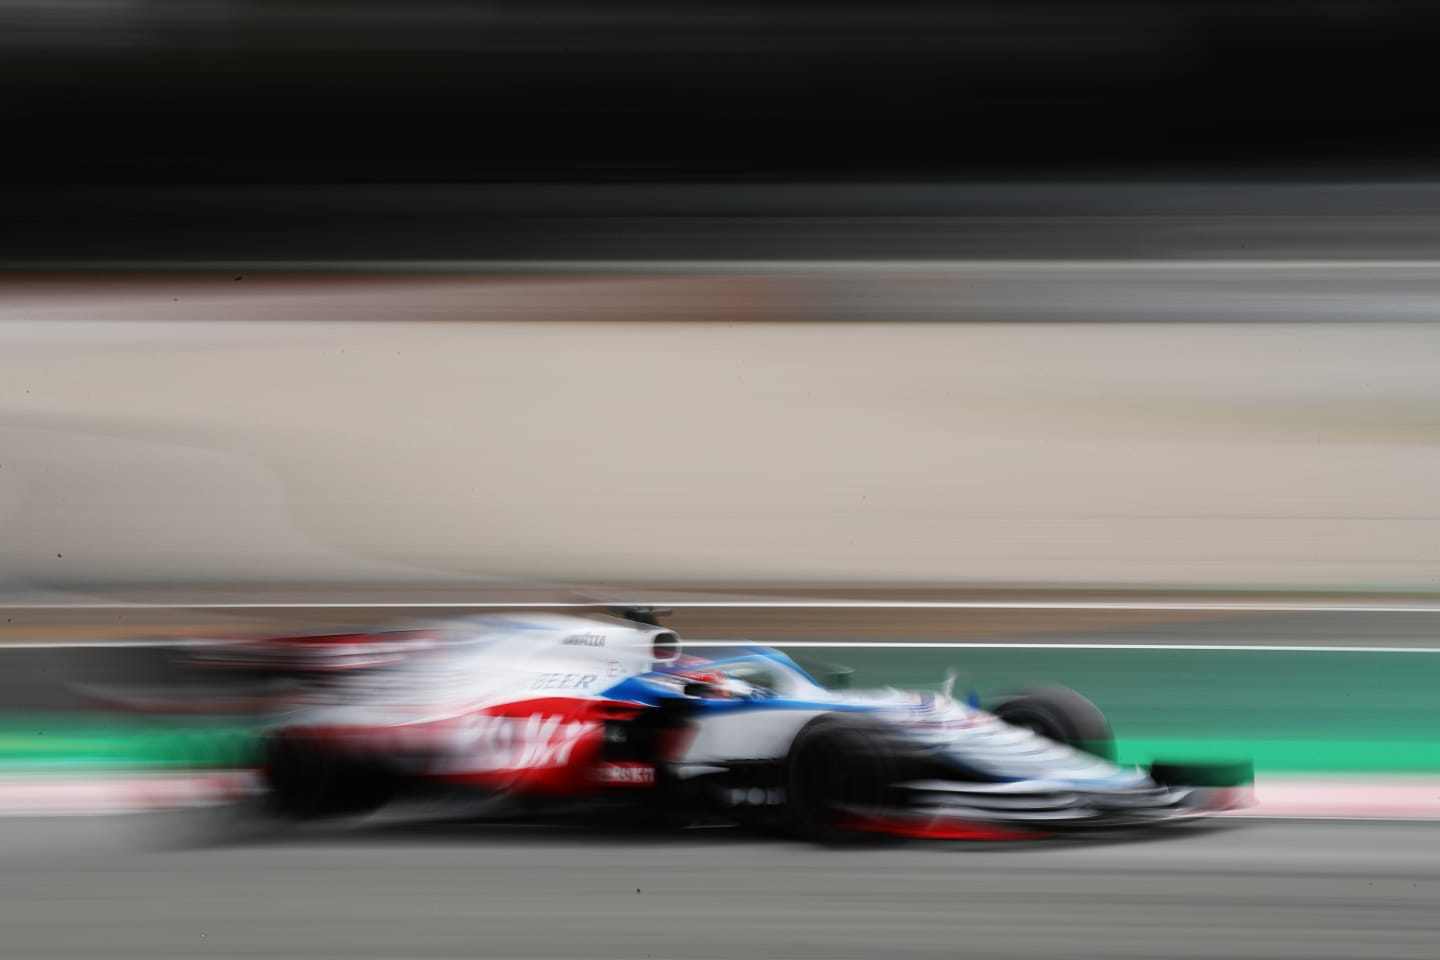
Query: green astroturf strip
point(237, 750)
point(1193, 694)
point(1289, 711)
point(61, 741)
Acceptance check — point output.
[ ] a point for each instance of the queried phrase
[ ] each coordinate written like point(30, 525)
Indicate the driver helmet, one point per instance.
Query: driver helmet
point(716, 685)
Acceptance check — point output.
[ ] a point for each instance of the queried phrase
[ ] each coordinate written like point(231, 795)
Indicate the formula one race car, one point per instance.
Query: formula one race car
point(547, 712)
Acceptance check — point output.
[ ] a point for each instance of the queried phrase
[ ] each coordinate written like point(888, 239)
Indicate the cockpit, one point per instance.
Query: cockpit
point(749, 676)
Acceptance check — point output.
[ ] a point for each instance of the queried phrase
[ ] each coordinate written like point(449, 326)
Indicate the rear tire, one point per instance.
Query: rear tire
point(306, 781)
point(1060, 714)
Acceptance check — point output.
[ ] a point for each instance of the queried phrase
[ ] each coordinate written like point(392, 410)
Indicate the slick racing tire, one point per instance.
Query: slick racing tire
point(307, 782)
point(839, 769)
point(1060, 714)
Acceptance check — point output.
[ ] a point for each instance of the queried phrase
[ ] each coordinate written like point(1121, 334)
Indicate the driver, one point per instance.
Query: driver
point(717, 685)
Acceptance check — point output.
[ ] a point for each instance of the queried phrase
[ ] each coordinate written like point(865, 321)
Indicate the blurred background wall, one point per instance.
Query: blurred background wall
point(339, 290)
point(422, 429)
point(329, 90)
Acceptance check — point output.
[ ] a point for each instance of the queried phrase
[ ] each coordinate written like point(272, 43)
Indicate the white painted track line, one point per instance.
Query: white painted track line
point(1162, 606)
point(986, 645)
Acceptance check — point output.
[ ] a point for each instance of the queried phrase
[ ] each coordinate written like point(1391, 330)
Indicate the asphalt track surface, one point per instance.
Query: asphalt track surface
point(1259, 889)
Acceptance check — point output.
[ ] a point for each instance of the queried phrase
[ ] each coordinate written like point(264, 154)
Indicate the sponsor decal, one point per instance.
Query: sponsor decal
point(641, 775)
point(753, 797)
point(563, 681)
point(613, 669)
point(584, 640)
point(516, 743)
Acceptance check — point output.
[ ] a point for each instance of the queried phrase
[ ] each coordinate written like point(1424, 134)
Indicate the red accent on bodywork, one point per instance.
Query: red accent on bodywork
point(544, 747)
point(561, 765)
point(935, 828)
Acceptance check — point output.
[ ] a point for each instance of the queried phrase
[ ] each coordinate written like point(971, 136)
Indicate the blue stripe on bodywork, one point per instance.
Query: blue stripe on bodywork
point(642, 690)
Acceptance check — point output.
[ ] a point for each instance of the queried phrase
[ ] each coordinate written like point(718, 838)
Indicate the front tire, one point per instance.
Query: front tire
point(1063, 715)
point(838, 768)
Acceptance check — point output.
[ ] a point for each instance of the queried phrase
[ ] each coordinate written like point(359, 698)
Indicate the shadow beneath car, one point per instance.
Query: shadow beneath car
point(410, 828)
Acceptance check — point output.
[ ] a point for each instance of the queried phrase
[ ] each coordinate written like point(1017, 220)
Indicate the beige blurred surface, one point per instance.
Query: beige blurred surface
point(327, 430)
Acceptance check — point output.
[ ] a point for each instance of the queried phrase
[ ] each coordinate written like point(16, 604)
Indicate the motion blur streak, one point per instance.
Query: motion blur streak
point(1331, 891)
point(311, 445)
point(954, 346)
